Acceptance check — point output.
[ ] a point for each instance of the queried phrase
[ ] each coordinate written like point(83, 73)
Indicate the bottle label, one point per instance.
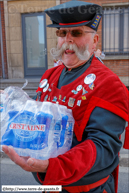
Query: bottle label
point(27, 131)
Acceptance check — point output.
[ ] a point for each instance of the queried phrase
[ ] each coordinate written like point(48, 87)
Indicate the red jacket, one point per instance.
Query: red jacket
point(105, 91)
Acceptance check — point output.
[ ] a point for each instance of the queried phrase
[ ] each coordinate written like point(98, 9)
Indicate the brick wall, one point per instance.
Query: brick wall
point(4, 43)
point(121, 66)
point(0, 64)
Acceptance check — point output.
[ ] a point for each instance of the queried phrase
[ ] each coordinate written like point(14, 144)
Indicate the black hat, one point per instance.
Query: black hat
point(75, 13)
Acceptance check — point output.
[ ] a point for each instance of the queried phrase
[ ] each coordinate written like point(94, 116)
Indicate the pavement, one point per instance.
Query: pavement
point(124, 160)
point(124, 155)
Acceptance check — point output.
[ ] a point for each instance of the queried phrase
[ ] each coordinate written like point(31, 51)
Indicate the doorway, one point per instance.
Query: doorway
point(34, 44)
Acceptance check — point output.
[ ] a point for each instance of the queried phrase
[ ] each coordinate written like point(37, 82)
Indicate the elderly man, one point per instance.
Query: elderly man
point(98, 101)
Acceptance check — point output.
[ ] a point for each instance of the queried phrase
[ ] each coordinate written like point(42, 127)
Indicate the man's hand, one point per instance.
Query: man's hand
point(26, 163)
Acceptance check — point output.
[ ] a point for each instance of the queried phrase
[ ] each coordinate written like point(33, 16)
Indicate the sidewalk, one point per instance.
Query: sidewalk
point(124, 154)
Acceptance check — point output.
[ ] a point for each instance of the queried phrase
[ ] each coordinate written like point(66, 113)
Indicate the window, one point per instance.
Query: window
point(115, 30)
point(30, 32)
point(34, 44)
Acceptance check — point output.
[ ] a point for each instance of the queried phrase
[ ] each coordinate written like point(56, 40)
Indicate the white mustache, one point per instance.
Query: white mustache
point(82, 53)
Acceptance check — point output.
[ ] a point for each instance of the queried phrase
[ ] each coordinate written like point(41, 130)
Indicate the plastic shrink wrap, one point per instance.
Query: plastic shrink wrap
point(40, 130)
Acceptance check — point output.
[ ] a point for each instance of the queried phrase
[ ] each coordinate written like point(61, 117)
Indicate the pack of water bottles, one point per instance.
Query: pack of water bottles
point(40, 130)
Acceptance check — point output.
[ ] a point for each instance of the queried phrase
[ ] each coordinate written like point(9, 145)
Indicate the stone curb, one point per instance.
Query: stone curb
point(124, 162)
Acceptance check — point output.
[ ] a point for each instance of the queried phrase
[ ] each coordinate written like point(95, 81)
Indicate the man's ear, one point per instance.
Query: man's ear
point(95, 41)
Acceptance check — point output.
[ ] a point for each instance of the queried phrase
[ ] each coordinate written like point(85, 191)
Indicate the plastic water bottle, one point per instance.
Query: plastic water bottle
point(3, 104)
point(57, 132)
point(36, 129)
point(69, 133)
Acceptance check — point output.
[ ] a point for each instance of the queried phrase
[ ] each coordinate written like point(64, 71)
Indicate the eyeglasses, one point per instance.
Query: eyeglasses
point(74, 33)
